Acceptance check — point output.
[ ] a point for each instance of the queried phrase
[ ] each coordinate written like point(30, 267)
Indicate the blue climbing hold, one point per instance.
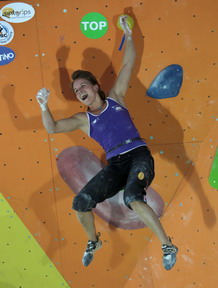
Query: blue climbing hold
point(167, 83)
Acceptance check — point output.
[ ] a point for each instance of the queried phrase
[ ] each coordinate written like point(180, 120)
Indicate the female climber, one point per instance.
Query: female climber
point(130, 163)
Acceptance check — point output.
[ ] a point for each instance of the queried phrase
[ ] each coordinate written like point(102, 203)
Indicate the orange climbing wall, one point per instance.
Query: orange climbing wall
point(181, 132)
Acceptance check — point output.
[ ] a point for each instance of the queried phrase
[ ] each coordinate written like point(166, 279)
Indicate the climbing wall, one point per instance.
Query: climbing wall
point(41, 242)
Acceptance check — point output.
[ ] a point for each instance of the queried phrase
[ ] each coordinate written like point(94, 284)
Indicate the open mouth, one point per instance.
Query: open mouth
point(84, 96)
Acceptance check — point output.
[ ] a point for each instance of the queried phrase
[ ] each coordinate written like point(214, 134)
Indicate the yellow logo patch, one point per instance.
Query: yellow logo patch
point(141, 176)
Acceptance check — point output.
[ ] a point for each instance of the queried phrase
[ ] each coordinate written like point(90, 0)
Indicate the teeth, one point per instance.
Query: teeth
point(84, 96)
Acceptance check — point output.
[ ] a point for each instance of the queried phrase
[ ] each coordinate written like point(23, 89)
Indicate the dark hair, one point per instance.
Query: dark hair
point(81, 74)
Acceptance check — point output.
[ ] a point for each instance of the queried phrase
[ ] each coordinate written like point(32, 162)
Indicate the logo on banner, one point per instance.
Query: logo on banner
point(6, 33)
point(94, 25)
point(17, 12)
point(7, 55)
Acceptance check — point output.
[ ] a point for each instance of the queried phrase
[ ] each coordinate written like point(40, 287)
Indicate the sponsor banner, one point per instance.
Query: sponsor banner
point(7, 55)
point(6, 33)
point(17, 12)
point(94, 25)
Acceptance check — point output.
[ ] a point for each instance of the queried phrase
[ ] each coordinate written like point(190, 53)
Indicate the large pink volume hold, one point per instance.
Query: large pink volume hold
point(77, 166)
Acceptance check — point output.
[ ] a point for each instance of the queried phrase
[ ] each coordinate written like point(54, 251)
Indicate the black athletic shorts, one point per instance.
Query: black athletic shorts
point(132, 171)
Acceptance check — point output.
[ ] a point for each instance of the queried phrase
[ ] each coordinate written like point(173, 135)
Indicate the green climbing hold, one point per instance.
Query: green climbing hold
point(213, 178)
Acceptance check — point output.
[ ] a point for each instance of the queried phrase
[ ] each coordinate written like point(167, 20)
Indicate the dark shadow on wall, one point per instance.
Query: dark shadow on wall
point(64, 75)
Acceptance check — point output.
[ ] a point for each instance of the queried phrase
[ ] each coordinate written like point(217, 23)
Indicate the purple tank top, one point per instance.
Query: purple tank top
point(112, 127)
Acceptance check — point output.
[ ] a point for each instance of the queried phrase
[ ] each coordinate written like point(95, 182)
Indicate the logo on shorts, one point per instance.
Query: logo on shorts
point(17, 12)
point(6, 33)
point(141, 176)
point(7, 55)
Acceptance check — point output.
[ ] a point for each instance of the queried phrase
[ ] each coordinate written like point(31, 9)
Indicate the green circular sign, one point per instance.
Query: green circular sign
point(94, 25)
